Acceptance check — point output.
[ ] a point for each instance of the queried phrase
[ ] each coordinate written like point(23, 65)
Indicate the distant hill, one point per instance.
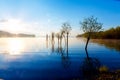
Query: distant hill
point(8, 34)
point(25, 35)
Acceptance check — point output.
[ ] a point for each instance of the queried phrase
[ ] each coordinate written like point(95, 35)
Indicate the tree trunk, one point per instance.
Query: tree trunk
point(60, 40)
point(67, 43)
point(88, 38)
point(87, 45)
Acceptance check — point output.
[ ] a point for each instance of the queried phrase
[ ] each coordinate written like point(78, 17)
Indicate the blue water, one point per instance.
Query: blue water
point(41, 61)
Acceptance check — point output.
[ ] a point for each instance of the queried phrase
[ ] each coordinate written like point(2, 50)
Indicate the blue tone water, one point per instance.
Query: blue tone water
point(38, 59)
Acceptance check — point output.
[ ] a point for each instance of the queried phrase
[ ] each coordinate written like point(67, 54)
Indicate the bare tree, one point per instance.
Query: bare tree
point(66, 28)
point(89, 26)
point(58, 37)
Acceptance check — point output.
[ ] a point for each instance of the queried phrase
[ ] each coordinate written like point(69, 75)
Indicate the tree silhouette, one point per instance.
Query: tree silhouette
point(89, 26)
point(52, 40)
point(62, 35)
point(66, 28)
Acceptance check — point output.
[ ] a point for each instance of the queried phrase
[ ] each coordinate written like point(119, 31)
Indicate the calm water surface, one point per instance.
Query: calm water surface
point(38, 59)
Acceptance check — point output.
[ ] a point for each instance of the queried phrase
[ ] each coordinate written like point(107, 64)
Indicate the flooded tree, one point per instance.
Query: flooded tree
point(52, 40)
point(58, 40)
point(66, 28)
point(89, 26)
point(47, 40)
point(62, 35)
point(57, 36)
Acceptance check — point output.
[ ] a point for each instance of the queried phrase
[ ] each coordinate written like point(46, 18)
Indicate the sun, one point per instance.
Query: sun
point(15, 46)
point(13, 25)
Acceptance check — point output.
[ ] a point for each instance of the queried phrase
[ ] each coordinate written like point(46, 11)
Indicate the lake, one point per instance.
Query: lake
point(43, 59)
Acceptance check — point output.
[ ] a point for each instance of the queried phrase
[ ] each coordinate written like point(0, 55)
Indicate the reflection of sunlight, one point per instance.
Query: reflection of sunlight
point(15, 46)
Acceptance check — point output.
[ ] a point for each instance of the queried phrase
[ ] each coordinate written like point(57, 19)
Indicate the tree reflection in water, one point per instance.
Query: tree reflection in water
point(64, 55)
point(52, 41)
point(61, 49)
point(90, 67)
point(47, 40)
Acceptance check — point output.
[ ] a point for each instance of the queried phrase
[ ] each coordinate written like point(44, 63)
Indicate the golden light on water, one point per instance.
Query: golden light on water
point(15, 46)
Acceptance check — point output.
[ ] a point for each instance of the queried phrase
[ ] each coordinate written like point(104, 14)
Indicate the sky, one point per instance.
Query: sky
point(42, 17)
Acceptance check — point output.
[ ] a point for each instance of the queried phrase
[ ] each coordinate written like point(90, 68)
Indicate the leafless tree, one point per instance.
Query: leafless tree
point(66, 28)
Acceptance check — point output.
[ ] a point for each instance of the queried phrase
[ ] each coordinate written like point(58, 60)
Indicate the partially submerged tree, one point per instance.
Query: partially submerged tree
point(89, 26)
point(66, 28)
point(62, 35)
point(52, 40)
point(58, 38)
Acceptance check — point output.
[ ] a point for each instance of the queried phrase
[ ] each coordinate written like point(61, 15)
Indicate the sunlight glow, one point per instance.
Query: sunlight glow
point(15, 46)
point(13, 25)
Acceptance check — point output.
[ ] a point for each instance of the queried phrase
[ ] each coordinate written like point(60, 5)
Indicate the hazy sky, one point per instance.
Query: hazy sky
point(44, 16)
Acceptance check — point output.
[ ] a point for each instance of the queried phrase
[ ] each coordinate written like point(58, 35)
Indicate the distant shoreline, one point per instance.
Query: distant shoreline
point(112, 33)
point(99, 38)
point(4, 34)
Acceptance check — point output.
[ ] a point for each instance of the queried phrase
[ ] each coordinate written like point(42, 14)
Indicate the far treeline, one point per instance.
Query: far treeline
point(8, 34)
point(112, 33)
